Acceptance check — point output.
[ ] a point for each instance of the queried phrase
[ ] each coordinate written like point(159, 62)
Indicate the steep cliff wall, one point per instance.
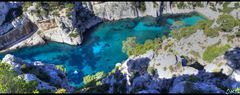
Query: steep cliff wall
point(64, 24)
point(118, 10)
point(17, 34)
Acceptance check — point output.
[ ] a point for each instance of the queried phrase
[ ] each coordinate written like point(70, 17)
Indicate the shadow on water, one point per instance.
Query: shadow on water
point(88, 33)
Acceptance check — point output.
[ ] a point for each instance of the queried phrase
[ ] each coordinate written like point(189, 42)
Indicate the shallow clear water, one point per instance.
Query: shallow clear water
point(102, 48)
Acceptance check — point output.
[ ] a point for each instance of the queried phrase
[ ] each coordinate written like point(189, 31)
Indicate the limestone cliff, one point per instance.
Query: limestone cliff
point(118, 10)
point(60, 24)
point(17, 34)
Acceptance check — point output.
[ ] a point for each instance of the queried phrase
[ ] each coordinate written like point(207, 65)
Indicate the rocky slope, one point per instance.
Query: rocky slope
point(165, 72)
point(47, 76)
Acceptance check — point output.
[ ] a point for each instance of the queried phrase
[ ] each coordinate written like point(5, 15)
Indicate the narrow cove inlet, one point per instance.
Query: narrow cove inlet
point(102, 46)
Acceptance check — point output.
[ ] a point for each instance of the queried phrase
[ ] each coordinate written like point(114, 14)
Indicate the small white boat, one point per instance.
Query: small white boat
point(75, 72)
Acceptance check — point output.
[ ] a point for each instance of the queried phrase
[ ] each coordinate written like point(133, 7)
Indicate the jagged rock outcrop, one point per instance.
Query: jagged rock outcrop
point(47, 75)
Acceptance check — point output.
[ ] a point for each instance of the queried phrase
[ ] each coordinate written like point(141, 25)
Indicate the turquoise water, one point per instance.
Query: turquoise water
point(102, 48)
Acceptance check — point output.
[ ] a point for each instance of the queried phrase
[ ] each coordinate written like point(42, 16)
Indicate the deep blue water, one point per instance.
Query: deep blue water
point(102, 48)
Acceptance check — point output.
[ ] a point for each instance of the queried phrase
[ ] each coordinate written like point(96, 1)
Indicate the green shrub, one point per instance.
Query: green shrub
point(194, 53)
point(132, 48)
point(164, 68)
point(213, 51)
point(26, 5)
point(202, 24)
point(98, 83)
point(155, 4)
point(53, 5)
point(226, 9)
point(142, 6)
point(236, 5)
point(199, 4)
point(184, 32)
point(38, 5)
point(226, 22)
point(171, 68)
point(43, 12)
point(69, 7)
point(181, 5)
point(237, 34)
point(74, 35)
point(88, 79)
point(60, 91)
point(60, 67)
point(187, 31)
point(151, 70)
point(211, 32)
point(99, 75)
point(10, 83)
point(24, 68)
point(193, 78)
point(35, 91)
point(230, 37)
point(55, 13)
point(169, 44)
point(92, 80)
point(113, 71)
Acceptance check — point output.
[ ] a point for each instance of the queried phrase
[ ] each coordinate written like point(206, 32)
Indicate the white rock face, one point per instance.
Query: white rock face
point(29, 77)
point(58, 35)
point(33, 40)
point(189, 71)
point(119, 10)
point(236, 75)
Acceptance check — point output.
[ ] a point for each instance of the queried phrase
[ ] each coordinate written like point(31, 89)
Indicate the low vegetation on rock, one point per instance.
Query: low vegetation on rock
point(91, 80)
point(131, 47)
point(214, 51)
point(11, 83)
